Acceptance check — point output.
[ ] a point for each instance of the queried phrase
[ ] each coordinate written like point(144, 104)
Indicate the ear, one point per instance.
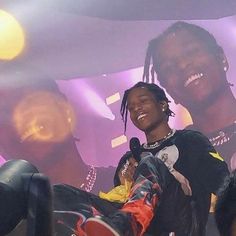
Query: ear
point(223, 61)
point(164, 105)
point(225, 64)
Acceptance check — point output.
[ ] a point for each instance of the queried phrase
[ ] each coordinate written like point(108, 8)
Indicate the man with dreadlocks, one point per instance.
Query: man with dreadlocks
point(178, 171)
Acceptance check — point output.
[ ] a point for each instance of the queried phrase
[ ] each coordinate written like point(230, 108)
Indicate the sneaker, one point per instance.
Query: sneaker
point(99, 226)
point(68, 223)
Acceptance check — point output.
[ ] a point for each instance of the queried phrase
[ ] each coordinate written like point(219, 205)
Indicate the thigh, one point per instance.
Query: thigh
point(72, 206)
point(69, 198)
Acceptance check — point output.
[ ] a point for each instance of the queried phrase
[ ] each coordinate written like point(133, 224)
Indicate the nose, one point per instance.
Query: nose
point(184, 62)
point(137, 107)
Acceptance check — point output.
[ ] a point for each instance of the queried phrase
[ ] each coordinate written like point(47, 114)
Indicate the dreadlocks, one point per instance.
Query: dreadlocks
point(152, 53)
point(158, 93)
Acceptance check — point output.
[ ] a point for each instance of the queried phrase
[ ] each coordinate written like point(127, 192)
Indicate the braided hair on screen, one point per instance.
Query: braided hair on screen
point(158, 93)
point(152, 54)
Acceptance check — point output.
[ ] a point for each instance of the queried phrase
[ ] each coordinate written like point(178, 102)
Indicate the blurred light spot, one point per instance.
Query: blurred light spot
point(2, 160)
point(185, 117)
point(43, 116)
point(118, 141)
point(95, 101)
point(182, 118)
point(112, 99)
point(12, 36)
point(135, 75)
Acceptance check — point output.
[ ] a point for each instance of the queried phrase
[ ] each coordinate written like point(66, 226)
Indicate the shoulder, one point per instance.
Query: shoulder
point(188, 134)
point(192, 140)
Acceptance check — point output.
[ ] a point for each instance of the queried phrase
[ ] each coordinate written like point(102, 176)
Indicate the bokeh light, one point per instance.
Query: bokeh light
point(44, 117)
point(12, 38)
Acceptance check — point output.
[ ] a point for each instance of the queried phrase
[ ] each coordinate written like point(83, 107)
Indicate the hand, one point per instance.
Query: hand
point(183, 181)
point(127, 171)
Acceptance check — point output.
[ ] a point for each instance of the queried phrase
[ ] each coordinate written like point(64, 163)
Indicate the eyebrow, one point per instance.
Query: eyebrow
point(141, 95)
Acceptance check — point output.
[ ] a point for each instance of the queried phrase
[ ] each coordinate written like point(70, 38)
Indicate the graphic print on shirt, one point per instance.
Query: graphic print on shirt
point(169, 155)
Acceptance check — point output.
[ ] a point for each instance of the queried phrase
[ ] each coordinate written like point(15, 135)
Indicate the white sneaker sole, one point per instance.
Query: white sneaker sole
point(98, 227)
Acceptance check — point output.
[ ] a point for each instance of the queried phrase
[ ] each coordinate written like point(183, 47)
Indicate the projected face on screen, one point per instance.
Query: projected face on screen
point(189, 71)
point(34, 122)
point(192, 67)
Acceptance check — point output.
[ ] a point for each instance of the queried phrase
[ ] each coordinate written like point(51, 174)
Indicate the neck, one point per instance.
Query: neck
point(157, 133)
point(220, 114)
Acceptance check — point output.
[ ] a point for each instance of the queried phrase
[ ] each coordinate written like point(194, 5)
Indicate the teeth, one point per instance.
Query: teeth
point(193, 78)
point(141, 116)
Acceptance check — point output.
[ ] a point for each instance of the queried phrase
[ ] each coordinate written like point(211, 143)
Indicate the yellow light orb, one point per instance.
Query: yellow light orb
point(43, 117)
point(12, 38)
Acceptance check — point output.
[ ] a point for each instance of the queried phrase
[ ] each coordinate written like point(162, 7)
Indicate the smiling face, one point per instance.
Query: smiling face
point(145, 112)
point(26, 112)
point(187, 69)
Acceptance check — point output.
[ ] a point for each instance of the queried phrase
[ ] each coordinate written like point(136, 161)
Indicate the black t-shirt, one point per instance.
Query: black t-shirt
point(224, 141)
point(191, 154)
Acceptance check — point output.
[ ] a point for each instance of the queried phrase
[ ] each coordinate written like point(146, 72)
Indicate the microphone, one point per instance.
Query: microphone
point(135, 147)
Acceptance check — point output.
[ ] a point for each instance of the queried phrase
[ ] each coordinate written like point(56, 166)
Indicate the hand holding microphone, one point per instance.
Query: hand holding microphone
point(128, 169)
point(135, 148)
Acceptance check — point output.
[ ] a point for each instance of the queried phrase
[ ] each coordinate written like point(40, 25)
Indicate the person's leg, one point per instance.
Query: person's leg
point(174, 213)
point(73, 206)
point(151, 178)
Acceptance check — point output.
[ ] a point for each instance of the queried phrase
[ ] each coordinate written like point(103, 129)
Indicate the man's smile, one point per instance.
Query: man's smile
point(194, 78)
